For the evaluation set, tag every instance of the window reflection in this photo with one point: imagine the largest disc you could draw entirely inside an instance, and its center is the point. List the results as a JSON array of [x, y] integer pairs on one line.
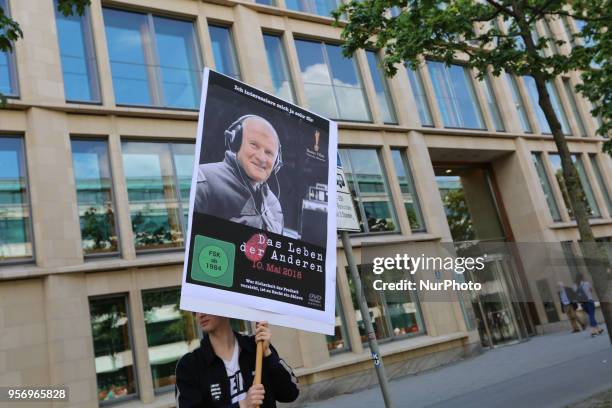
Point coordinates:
[[409, 196], [331, 81], [393, 313], [588, 196], [279, 71], [171, 333], [548, 194], [320, 7], [224, 53], [492, 104], [455, 95], [554, 100], [369, 190], [8, 75], [158, 176], [518, 103], [90, 164], [78, 57], [154, 60], [383, 95], [418, 91], [114, 359], [601, 183], [15, 227]]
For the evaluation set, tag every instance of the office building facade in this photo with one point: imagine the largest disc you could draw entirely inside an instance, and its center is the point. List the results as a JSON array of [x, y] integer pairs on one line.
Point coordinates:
[[96, 154]]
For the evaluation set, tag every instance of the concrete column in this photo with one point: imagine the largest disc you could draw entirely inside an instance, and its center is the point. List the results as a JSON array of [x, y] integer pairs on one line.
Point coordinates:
[[102, 56], [250, 48], [69, 338], [122, 205], [55, 217], [38, 60]]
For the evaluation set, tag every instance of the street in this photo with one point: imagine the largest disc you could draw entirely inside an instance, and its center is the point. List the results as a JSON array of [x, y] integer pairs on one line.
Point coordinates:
[[547, 371]]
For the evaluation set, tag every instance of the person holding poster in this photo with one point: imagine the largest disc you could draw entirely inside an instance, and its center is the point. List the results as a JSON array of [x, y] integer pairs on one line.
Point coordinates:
[[236, 188], [220, 372]]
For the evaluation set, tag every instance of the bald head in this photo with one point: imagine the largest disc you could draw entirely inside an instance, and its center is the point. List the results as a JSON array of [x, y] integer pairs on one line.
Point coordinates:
[[259, 148]]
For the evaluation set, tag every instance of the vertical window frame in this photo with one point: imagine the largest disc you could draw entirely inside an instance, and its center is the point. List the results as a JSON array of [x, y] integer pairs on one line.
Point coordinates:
[[30, 229], [405, 163], [232, 42], [546, 186], [376, 72], [126, 299], [420, 96], [492, 104], [601, 182], [285, 62], [449, 84], [91, 61], [360, 208], [13, 75], [116, 253]]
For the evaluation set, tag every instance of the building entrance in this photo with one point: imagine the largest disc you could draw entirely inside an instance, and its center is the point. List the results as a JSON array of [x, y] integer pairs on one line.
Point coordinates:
[[475, 220]]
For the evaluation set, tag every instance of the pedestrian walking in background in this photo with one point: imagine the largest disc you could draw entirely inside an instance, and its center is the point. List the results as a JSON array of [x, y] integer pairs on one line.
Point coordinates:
[[569, 306], [584, 295]]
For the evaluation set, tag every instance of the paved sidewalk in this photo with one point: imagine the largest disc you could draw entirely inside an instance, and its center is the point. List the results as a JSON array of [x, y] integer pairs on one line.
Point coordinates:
[[555, 370]]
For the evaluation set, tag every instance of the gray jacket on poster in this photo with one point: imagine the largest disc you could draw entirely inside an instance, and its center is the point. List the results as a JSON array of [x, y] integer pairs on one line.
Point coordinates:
[[224, 191]]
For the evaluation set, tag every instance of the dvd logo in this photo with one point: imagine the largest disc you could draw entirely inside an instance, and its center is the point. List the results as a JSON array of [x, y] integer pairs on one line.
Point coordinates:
[[314, 299]]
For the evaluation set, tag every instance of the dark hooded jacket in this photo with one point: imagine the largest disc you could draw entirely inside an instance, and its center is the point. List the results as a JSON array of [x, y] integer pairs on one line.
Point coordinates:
[[202, 382]]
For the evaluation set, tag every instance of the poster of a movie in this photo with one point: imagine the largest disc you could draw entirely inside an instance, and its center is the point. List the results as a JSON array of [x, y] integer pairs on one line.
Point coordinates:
[[262, 241]]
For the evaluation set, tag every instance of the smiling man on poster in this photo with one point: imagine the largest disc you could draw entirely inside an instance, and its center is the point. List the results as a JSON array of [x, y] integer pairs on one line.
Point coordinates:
[[237, 188], [262, 222]]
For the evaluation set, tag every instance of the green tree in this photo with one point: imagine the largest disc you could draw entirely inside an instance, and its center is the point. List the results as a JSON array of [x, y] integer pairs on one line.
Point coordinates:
[[469, 30], [11, 32]]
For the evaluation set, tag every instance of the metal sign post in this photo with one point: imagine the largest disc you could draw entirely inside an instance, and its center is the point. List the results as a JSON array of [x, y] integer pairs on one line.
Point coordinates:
[[347, 221]]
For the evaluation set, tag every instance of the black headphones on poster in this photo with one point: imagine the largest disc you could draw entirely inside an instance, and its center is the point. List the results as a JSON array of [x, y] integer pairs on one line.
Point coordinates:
[[233, 140]]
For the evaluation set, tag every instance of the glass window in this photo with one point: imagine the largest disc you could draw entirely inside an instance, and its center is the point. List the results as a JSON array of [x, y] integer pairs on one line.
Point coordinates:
[[393, 313], [383, 95], [78, 57], [92, 175], [339, 341], [588, 196], [368, 185], [8, 73], [554, 99], [545, 183], [492, 104], [154, 60], [331, 82], [409, 195], [15, 223], [571, 96], [112, 341], [279, 70], [455, 95], [518, 103], [158, 176], [171, 333], [418, 91], [601, 182], [224, 52], [320, 7], [266, 2]]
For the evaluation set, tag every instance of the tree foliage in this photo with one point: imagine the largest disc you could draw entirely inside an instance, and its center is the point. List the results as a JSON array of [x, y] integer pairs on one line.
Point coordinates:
[[472, 30]]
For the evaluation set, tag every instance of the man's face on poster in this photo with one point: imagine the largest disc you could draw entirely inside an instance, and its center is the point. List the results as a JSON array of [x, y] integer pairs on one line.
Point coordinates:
[[259, 149]]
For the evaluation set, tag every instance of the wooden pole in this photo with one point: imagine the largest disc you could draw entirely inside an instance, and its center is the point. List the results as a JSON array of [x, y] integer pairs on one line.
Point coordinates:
[[258, 363]]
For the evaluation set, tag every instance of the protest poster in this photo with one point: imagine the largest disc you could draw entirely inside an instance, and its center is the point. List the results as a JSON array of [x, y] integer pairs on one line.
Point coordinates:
[[262, 210]]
